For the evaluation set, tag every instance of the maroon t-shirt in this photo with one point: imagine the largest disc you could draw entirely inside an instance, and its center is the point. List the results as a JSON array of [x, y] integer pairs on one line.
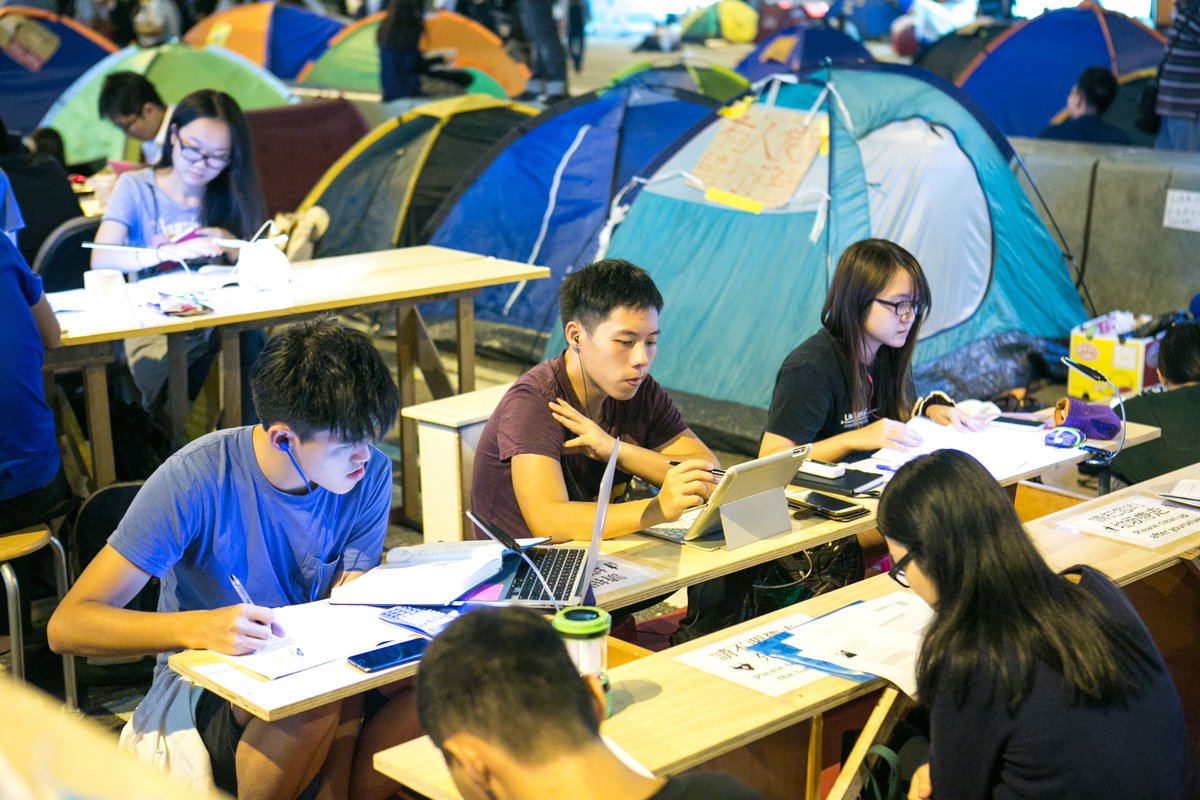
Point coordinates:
[[522, 424]]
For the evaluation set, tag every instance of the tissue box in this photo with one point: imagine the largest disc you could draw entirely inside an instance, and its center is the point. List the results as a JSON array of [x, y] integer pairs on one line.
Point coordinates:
[[1130, 363]]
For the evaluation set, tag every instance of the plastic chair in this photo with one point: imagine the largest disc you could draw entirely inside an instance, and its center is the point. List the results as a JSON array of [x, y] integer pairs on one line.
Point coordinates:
[[62, 259], [17, 544]]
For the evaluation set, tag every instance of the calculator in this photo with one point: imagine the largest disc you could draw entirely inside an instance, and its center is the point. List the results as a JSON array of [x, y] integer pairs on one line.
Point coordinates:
[[427, 622]]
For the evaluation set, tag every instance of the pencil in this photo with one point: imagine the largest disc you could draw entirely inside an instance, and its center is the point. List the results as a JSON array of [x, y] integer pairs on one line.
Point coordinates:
[[720, 473]]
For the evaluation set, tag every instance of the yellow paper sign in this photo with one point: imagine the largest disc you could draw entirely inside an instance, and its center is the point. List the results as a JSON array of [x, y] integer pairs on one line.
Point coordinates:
[[29, 43]]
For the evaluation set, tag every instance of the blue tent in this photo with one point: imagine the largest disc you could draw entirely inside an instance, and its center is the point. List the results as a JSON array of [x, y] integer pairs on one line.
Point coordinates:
[[32, 77], [1022, 78], [799, 49], [895, 153], [544, 197]]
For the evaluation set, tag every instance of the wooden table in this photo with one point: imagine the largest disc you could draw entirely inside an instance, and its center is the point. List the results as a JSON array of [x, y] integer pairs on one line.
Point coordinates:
[[390, 280]]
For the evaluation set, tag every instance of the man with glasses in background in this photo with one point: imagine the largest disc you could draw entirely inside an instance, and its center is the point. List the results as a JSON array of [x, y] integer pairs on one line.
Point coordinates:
[[131, 102]]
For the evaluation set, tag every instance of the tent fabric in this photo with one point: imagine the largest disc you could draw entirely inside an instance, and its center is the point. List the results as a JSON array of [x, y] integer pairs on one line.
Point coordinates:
[[352, 58], [1023, 76], [382, 191], [731, 20], [954, 52], [799, 49], [29, 83], [175, 70], [544, 194], [992, 269], [710, 80], [280, 37]]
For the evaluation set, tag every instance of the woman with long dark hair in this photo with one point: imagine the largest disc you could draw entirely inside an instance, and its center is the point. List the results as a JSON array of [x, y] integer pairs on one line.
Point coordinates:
[[399, 39], [202, 189], [1039, 684]]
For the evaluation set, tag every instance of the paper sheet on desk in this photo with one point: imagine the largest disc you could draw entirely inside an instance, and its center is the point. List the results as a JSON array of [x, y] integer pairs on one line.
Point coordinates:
[[317, 633], [614, 572], [730, 659], [881, 637], [1003, 450], [1138, 520], [1185, 491]]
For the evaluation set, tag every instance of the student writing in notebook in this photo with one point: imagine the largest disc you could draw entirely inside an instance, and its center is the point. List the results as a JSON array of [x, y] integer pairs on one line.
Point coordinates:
[[290, 508], [498, 694], [542, 453]]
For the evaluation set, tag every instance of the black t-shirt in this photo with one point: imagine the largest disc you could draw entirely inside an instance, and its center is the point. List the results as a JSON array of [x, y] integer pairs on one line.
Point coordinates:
[[1052, 749], [811, 401], [705, 786]]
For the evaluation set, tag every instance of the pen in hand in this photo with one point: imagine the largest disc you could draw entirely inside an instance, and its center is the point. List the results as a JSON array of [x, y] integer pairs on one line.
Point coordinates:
[[244, 596], [717, 473]]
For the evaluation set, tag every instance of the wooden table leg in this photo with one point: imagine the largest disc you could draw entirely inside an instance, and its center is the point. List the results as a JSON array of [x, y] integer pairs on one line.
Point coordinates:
[[878, 728], [816, 730], [231, 378], [430, 362], [465, 320], [95, 392], [177, 385], [406, 350]]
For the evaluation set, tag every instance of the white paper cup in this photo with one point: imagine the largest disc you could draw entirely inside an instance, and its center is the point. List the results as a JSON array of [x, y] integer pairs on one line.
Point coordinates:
[[108, 297]]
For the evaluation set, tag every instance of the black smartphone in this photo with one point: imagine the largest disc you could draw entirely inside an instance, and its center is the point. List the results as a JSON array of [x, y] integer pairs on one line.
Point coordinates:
[[391, 656], [1024, 422], [827, 506]]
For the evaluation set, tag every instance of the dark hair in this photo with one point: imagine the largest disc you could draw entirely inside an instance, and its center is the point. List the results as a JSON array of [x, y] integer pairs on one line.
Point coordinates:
[[233, 199], [863, 272], [1000, 609], [502, 674], [320, 376], [125, 93], [48, 141], [403, 25], [1098, 87], [589, 295], [1179, 353]]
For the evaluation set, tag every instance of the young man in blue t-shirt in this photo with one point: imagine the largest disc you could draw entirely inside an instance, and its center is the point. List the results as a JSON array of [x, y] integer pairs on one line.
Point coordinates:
[[291, 508]]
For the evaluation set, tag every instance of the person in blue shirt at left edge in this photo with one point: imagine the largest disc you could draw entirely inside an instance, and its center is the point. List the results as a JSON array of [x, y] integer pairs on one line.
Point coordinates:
[[291, 507]]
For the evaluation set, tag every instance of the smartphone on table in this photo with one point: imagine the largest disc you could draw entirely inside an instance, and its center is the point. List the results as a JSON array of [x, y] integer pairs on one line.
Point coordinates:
[[826, 505], [392, 655]]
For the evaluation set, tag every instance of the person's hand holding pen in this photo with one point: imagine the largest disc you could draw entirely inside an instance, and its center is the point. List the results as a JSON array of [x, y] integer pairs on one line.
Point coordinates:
[[196, 243], [244, 628], [687, 484]]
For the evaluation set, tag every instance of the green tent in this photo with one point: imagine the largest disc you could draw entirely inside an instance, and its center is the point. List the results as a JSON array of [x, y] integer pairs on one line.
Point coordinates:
[[175, 70], [710, 80]]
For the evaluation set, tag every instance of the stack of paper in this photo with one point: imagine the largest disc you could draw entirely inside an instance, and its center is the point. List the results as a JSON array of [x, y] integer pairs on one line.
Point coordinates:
[[424, 575], [1186, 492]]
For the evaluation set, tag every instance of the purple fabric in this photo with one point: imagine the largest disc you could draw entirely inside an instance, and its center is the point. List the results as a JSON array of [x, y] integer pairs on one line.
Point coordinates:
[[1094, 421]]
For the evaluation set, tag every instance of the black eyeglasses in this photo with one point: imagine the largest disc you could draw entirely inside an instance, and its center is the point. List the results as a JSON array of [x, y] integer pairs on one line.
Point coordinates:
[[896, 573], [903, 308], [194, 155]]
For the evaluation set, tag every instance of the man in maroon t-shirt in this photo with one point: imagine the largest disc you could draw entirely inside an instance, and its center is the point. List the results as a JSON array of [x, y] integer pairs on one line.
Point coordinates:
[[542, 453]]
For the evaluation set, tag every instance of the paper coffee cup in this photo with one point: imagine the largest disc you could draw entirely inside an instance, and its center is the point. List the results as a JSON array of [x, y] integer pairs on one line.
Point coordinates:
[[108, 297]]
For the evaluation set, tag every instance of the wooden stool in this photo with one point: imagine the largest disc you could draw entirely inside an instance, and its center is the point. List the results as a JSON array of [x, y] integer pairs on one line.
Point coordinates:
[[13, 546]]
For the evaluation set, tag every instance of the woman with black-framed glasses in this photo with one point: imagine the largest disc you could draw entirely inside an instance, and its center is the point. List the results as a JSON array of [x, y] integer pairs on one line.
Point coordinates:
[[1039, 684], [203, 189]]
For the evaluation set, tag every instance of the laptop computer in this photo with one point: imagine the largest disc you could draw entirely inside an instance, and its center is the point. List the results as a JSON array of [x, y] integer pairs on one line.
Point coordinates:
[[739, 483], [567, 570]]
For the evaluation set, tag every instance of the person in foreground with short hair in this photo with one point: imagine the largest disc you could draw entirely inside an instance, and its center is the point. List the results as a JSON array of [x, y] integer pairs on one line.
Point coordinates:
[[1087, 101], [542, 453], [1041, 685], [291, 507], [500, 697], [131, 102]]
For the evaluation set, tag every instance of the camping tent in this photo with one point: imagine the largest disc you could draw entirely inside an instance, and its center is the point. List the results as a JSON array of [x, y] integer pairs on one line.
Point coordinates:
[[381, 192], [175, 70], [1022, 77], [56, 51], [731, 20], [710, 80], [352, 58], [950, 55], [280, 37], [544, 195], [799, 49], [868, 150]]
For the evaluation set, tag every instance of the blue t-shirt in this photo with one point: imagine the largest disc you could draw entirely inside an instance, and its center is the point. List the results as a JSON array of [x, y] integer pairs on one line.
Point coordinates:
[[28, 451], [209, 512]]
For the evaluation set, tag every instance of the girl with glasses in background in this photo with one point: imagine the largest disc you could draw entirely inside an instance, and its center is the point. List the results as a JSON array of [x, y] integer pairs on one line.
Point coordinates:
[[202, 189], [1039, 684]]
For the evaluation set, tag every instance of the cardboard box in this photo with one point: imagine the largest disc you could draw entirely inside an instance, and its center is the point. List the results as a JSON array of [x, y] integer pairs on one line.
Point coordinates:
[[1131, 364]]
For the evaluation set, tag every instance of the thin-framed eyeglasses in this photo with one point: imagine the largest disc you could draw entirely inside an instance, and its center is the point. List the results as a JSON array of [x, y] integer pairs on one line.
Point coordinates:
[[896, 573], [194, 155], [903, 308]]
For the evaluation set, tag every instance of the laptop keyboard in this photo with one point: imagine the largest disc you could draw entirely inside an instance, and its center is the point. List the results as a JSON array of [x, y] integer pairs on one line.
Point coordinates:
[[559, 566]]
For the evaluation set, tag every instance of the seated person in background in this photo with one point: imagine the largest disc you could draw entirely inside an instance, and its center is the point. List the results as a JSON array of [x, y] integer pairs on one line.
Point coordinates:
[[203, 189], [498, 694], [1087, 101], [542, 453], [291, 507], [1039, 685], [131, 102], [47, 142], [1176, 410]]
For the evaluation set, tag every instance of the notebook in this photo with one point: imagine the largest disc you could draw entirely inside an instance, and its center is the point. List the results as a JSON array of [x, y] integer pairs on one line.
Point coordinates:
[[740, 482], [568, 570]]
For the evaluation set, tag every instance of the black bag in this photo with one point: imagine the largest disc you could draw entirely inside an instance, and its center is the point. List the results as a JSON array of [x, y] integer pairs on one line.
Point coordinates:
[[1146, 118]]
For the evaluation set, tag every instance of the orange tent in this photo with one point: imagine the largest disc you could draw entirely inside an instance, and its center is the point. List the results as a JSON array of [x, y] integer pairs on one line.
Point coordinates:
[[277, 36]]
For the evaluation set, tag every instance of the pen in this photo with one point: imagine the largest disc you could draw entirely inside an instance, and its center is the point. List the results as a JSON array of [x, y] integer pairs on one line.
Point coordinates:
[[192, 234], [720, 473], [244, 596]]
